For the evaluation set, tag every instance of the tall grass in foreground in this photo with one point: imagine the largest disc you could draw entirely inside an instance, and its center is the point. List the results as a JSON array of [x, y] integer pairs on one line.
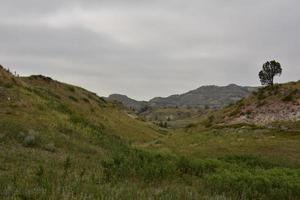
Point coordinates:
[[143, 175], [237, 177], [29, 171]]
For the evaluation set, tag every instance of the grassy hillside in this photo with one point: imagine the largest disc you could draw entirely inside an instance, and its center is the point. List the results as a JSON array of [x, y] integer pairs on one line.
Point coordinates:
[[58, 141], [45, 124], [277, 107], [40, 101], [280, 102]]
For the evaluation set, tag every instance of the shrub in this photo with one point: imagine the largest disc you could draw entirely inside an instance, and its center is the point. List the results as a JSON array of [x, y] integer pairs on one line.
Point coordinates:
[[261, 103], [78, 119], [62, 108], [102, 99], [72, 89], [249, 161], [290, 96], [163, 124], [85, 100], [256, 184], [261, 94], [50, 147], [208, 122], [73, 98], [45, 78], [248, 112], [8, 85], [191, 125], [274, 90], [229, 105], [137, 164], [29, 141], [196, 168]]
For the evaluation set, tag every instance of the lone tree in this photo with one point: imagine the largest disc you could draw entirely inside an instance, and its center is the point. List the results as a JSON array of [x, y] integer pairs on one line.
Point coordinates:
[[270, 69]]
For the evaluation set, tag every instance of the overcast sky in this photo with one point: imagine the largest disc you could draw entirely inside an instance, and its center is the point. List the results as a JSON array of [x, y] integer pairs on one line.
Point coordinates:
[[147, 48]]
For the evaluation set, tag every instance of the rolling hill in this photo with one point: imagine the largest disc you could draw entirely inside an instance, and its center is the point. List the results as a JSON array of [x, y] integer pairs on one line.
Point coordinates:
[[59, 141], [177, 110], [273, 104], [138, 106], [205, 96], [211, 96], [24, 98]]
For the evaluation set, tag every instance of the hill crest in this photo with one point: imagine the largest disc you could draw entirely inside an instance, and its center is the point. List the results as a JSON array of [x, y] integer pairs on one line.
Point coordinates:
[[205, 96]]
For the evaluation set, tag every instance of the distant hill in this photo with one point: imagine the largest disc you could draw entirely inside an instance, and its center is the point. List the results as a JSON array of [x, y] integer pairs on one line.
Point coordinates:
[[205, 96], [211, 96], [274, 106], [128, 102]]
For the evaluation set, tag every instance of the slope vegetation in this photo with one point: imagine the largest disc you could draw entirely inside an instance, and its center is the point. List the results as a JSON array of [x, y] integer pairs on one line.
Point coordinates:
[[58, 141], [279, 103]]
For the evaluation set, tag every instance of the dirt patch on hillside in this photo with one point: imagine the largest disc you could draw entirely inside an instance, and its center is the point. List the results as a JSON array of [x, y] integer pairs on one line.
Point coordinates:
[[277, 111]]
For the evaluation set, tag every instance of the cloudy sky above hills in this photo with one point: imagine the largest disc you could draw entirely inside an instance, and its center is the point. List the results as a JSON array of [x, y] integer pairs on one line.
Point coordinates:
[[147, 48]]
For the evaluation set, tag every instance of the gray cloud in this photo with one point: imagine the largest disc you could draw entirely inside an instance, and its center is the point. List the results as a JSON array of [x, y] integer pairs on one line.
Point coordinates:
[[149, 48]]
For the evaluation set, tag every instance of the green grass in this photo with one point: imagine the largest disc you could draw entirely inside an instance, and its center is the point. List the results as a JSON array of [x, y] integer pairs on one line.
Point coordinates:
[[223, 141], [55, 147]]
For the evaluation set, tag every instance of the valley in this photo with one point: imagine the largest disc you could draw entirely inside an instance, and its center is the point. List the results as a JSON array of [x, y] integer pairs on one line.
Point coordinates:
[[59, 141]]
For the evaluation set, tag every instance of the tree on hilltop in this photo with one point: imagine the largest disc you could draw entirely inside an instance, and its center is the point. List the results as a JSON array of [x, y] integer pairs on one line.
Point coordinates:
[[269, 70]]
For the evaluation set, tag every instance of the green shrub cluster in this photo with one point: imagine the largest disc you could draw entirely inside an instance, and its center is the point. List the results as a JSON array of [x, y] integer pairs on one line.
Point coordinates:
[[276, 183], [138, 165], [290, 96], [73, 98], [208, 122], [237, 177]]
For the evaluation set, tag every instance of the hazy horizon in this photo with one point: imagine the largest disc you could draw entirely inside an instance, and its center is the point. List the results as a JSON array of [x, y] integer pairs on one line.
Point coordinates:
[[144, 49]]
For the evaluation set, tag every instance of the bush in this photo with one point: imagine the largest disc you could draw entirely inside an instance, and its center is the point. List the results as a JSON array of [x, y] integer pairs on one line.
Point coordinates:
[[73, 98], [85, 100], [29, 141], [261, 103], [72, 89], [50, 147], [196, 168], [191, 125], [208, 122], [248, 112], [151, 168], [249, 161], [274, 90], [290, 96], [256, 184], [163, 124], [139, 165], [45, 78], [261, 94]]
